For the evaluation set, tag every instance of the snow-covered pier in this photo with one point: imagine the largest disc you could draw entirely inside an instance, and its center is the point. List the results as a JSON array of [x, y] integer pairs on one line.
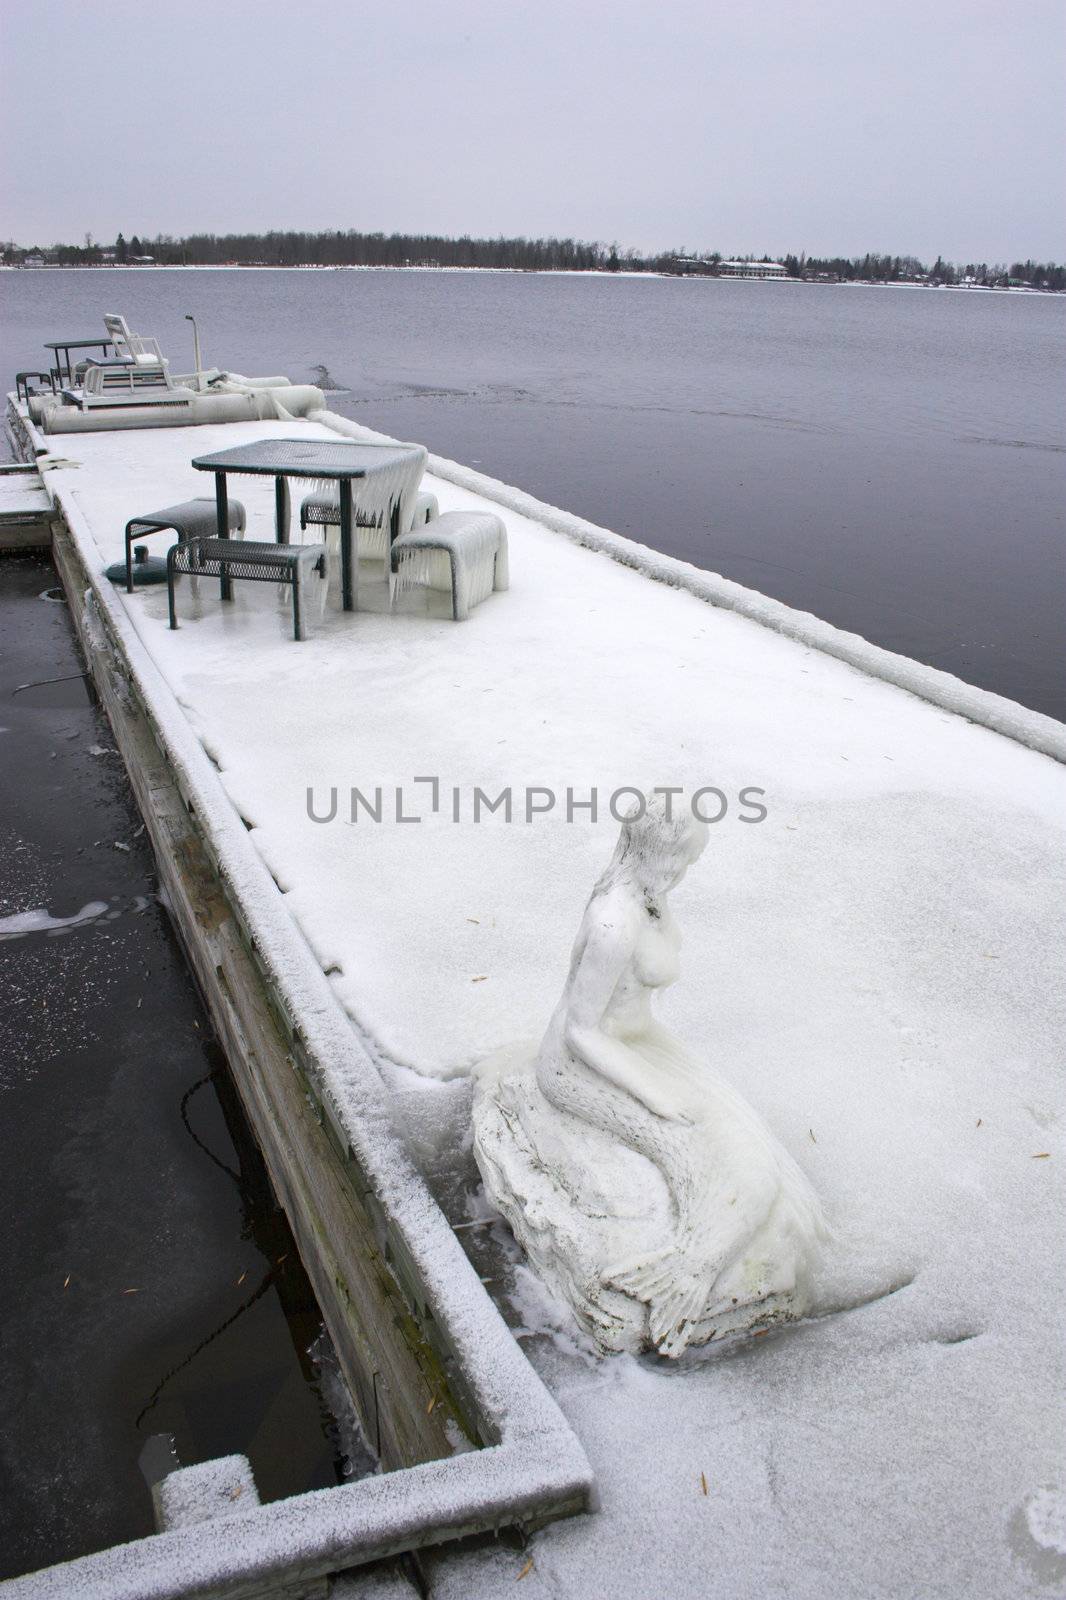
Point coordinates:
[[25, 509], [875, 962]]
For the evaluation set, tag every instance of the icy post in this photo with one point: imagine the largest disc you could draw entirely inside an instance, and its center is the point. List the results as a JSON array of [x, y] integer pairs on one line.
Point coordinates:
[[643, 1188]]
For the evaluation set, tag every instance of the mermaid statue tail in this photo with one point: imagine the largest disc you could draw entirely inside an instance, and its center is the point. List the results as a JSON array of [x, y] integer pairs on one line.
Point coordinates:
[[679, 1281], [712, 1281], [743, 1219], [676, 1296]]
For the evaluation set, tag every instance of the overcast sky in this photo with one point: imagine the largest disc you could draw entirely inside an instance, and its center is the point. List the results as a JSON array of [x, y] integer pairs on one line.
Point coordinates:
[[752, 125]]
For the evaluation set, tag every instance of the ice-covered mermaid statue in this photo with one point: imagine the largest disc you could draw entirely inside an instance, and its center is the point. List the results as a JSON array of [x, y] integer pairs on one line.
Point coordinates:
[[641, 1185]]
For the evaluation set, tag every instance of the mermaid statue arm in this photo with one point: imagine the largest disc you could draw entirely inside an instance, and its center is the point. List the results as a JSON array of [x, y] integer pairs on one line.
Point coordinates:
[[605, 955]]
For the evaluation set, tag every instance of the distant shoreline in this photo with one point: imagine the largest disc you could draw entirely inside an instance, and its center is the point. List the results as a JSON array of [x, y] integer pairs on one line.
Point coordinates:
[[546, 272]]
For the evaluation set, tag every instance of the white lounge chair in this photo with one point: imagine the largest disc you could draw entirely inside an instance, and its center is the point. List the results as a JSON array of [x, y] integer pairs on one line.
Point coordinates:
[[137, 375], [132, 348]]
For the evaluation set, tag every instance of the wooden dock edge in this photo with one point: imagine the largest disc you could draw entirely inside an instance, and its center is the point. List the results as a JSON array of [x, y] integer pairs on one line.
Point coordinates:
[[324, 1194], [428, 1359], [23, 528]]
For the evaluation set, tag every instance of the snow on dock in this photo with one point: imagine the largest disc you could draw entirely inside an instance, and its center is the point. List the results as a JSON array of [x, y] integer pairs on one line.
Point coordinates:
[[24, 508], [876, 964]]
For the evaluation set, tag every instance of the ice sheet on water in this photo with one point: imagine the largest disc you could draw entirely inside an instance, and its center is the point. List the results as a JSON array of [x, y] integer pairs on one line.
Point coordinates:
[[22, 923], [1045, 1516]]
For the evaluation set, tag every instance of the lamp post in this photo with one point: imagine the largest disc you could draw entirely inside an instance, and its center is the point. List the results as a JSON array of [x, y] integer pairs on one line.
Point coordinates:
[[196, 350]]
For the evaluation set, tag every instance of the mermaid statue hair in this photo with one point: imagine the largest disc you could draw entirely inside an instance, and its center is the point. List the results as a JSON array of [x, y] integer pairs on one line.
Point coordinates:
[[659, 838]]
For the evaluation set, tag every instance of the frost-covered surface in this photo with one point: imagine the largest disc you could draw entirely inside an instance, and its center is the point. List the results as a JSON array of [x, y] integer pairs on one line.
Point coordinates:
[[876, 966], [207, 1492], [21, 495]]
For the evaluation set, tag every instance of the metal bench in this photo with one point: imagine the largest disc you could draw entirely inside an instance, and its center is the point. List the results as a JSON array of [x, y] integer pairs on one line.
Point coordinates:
[[249, 560], [24, 379], [323, 509], [475, 545], [192, 519]]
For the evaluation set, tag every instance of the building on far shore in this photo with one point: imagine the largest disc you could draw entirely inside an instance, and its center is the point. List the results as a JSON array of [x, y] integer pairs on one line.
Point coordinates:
[[688, 266], [752, 269]]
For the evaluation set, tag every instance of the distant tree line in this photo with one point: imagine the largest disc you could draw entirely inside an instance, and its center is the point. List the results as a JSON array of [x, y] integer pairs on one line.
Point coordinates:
[[351, 249], [908, 269], [329, 249]]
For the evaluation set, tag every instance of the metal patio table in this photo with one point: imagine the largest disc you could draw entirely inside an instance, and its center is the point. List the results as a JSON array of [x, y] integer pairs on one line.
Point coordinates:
[[375, 478], [61, 349]]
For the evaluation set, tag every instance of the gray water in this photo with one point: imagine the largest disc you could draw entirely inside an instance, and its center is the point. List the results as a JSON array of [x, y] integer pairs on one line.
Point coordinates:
[[892, 459], [151, 1285]]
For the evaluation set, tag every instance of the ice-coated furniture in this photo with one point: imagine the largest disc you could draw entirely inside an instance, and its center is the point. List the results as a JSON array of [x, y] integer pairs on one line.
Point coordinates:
[[323, 509], [475, 544], [189, 520], [377, 482], [248, 560]]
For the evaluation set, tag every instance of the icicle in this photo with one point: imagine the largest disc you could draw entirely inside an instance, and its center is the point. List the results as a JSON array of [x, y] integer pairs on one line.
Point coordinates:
[[463, 551], [425, 569], [392, 478], [480, 571]]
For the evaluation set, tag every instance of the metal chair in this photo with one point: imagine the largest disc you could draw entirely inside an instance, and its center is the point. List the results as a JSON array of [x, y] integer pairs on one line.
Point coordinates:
[[191, 519], [22, 383], [248, 560], [323, 510]]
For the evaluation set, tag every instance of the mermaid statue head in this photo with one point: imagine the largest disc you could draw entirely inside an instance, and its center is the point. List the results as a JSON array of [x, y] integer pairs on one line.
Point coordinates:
[[659, 841]]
